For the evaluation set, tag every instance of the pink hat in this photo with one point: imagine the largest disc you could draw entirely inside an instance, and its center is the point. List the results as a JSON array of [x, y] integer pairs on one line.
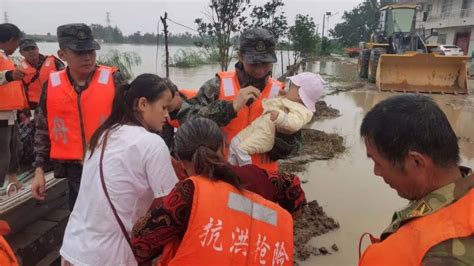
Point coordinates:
[[312, 88]]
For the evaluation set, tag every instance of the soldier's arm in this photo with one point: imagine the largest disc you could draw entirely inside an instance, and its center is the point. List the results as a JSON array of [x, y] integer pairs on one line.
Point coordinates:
[[167, 134], [207, 104], [453, 252], [42, 143], [285, 145]]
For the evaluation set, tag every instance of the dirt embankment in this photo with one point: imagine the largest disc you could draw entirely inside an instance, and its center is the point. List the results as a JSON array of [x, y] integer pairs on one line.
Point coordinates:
[[312, 222], [316, 145], [324, 111]]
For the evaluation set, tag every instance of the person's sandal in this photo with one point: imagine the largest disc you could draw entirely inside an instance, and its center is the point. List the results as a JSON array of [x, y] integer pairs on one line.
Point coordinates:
[[16, 186]]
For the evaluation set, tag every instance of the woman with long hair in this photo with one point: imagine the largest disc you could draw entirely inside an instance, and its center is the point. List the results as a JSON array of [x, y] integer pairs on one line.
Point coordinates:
[[126, 167], [211, 218]]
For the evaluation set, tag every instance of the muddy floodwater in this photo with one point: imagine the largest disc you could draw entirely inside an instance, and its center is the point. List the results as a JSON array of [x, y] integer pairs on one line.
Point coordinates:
[[346, 187]]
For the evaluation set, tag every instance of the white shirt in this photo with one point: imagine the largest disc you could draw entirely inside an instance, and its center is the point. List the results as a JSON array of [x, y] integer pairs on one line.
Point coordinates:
[[137, 169]]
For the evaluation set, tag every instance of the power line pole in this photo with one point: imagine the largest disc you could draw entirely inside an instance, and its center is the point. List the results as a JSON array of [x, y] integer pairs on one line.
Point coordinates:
[[108, 27], [324, 22], [165, 29], [107, 19], [5, 17]]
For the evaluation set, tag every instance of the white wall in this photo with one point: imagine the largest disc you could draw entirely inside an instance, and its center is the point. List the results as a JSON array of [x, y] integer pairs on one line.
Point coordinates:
[[451, 24]]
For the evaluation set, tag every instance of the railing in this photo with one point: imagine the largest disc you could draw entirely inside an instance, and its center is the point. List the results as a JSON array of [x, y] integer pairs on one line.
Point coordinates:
[[463, 13]]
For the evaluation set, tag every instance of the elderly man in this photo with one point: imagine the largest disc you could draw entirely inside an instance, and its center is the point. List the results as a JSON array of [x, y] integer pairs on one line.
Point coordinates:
[[416, 152], [234, 99]]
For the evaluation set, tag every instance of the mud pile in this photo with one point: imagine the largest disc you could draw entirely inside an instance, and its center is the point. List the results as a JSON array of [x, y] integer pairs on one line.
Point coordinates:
[[312, 222], [316, 145], [324, 111]]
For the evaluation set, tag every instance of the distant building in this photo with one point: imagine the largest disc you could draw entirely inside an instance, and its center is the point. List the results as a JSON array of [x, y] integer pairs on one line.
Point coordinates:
[[454, 20]]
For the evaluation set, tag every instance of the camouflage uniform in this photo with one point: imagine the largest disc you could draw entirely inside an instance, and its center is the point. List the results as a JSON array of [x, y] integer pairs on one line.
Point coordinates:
[[207, 104], [458, 251], [256, 46]]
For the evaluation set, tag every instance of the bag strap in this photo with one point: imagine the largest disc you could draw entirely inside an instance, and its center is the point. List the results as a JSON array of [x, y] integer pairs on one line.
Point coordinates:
[[102, 180]]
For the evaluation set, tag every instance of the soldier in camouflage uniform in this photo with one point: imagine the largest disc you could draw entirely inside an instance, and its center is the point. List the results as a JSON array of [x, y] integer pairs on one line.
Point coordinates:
[[77, 41], [416, 152], [253, 76]]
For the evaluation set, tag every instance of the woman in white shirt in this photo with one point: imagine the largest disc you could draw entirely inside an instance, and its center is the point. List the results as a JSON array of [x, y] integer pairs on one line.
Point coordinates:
[[126, 167]]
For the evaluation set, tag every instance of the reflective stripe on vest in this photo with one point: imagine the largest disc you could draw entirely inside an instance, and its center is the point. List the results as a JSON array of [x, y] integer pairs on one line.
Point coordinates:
[[34, 86], [229, 89], [241, 228], [259, 212], [12, 94], [64, 120], [413, 240]]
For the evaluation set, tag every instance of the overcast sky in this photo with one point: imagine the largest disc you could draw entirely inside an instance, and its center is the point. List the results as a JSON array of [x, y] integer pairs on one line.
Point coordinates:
[[43, 16]]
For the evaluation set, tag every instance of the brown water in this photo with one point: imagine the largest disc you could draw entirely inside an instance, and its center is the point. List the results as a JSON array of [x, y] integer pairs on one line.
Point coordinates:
[[346, 186]]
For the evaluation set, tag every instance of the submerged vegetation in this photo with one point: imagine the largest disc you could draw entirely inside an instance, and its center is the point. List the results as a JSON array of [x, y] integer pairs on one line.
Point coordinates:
[[122, 60]]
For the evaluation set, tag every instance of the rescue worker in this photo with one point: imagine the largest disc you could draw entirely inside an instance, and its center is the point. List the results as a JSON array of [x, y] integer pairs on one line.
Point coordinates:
[[73, 104], [7, 256], [37, 68], [180, 98], [241, 227], [416, 152], [12, 98], [234, 99]]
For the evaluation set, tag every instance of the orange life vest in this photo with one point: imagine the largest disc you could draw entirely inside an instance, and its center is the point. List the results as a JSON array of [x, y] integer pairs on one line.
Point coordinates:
[[232, 227], [73, 117], [35, 79], [7, 257], [189, 94], [229, 89], [12, 94], [413, 240]]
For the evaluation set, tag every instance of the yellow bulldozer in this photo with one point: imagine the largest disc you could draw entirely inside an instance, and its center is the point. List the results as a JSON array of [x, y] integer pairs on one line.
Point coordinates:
[[398, 58]]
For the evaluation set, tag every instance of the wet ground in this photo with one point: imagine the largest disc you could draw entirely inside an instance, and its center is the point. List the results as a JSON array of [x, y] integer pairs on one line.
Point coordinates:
[[312, 222], [345, 185]]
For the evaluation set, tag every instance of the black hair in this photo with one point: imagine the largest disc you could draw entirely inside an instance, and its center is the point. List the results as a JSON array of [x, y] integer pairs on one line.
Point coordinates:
[[9, 31], [199, 141], [125, 101], [411, 122]]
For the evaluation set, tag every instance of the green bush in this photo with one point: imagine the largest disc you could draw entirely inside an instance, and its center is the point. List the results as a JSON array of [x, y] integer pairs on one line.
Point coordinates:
[[191, 58], [122, 60]]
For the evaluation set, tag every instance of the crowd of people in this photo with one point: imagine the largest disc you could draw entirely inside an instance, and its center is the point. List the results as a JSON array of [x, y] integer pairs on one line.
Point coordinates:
[[158, 174]]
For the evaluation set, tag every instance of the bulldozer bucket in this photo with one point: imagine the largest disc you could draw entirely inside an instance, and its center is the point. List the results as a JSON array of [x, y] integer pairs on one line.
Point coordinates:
[[422, 72]]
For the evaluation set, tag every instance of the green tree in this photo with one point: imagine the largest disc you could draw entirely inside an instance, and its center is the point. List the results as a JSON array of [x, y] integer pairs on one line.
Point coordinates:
[[303, 37], [225, 19], [122, 60], [359, 23], [270, 17]]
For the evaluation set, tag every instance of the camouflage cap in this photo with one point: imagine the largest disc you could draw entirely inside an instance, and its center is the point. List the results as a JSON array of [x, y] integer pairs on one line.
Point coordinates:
[[27, 43], [257, 46], [77, 37]]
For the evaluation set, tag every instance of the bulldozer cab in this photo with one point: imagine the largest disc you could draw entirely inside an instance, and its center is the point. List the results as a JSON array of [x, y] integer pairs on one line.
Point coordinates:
[[397, 19], [400, 59]]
